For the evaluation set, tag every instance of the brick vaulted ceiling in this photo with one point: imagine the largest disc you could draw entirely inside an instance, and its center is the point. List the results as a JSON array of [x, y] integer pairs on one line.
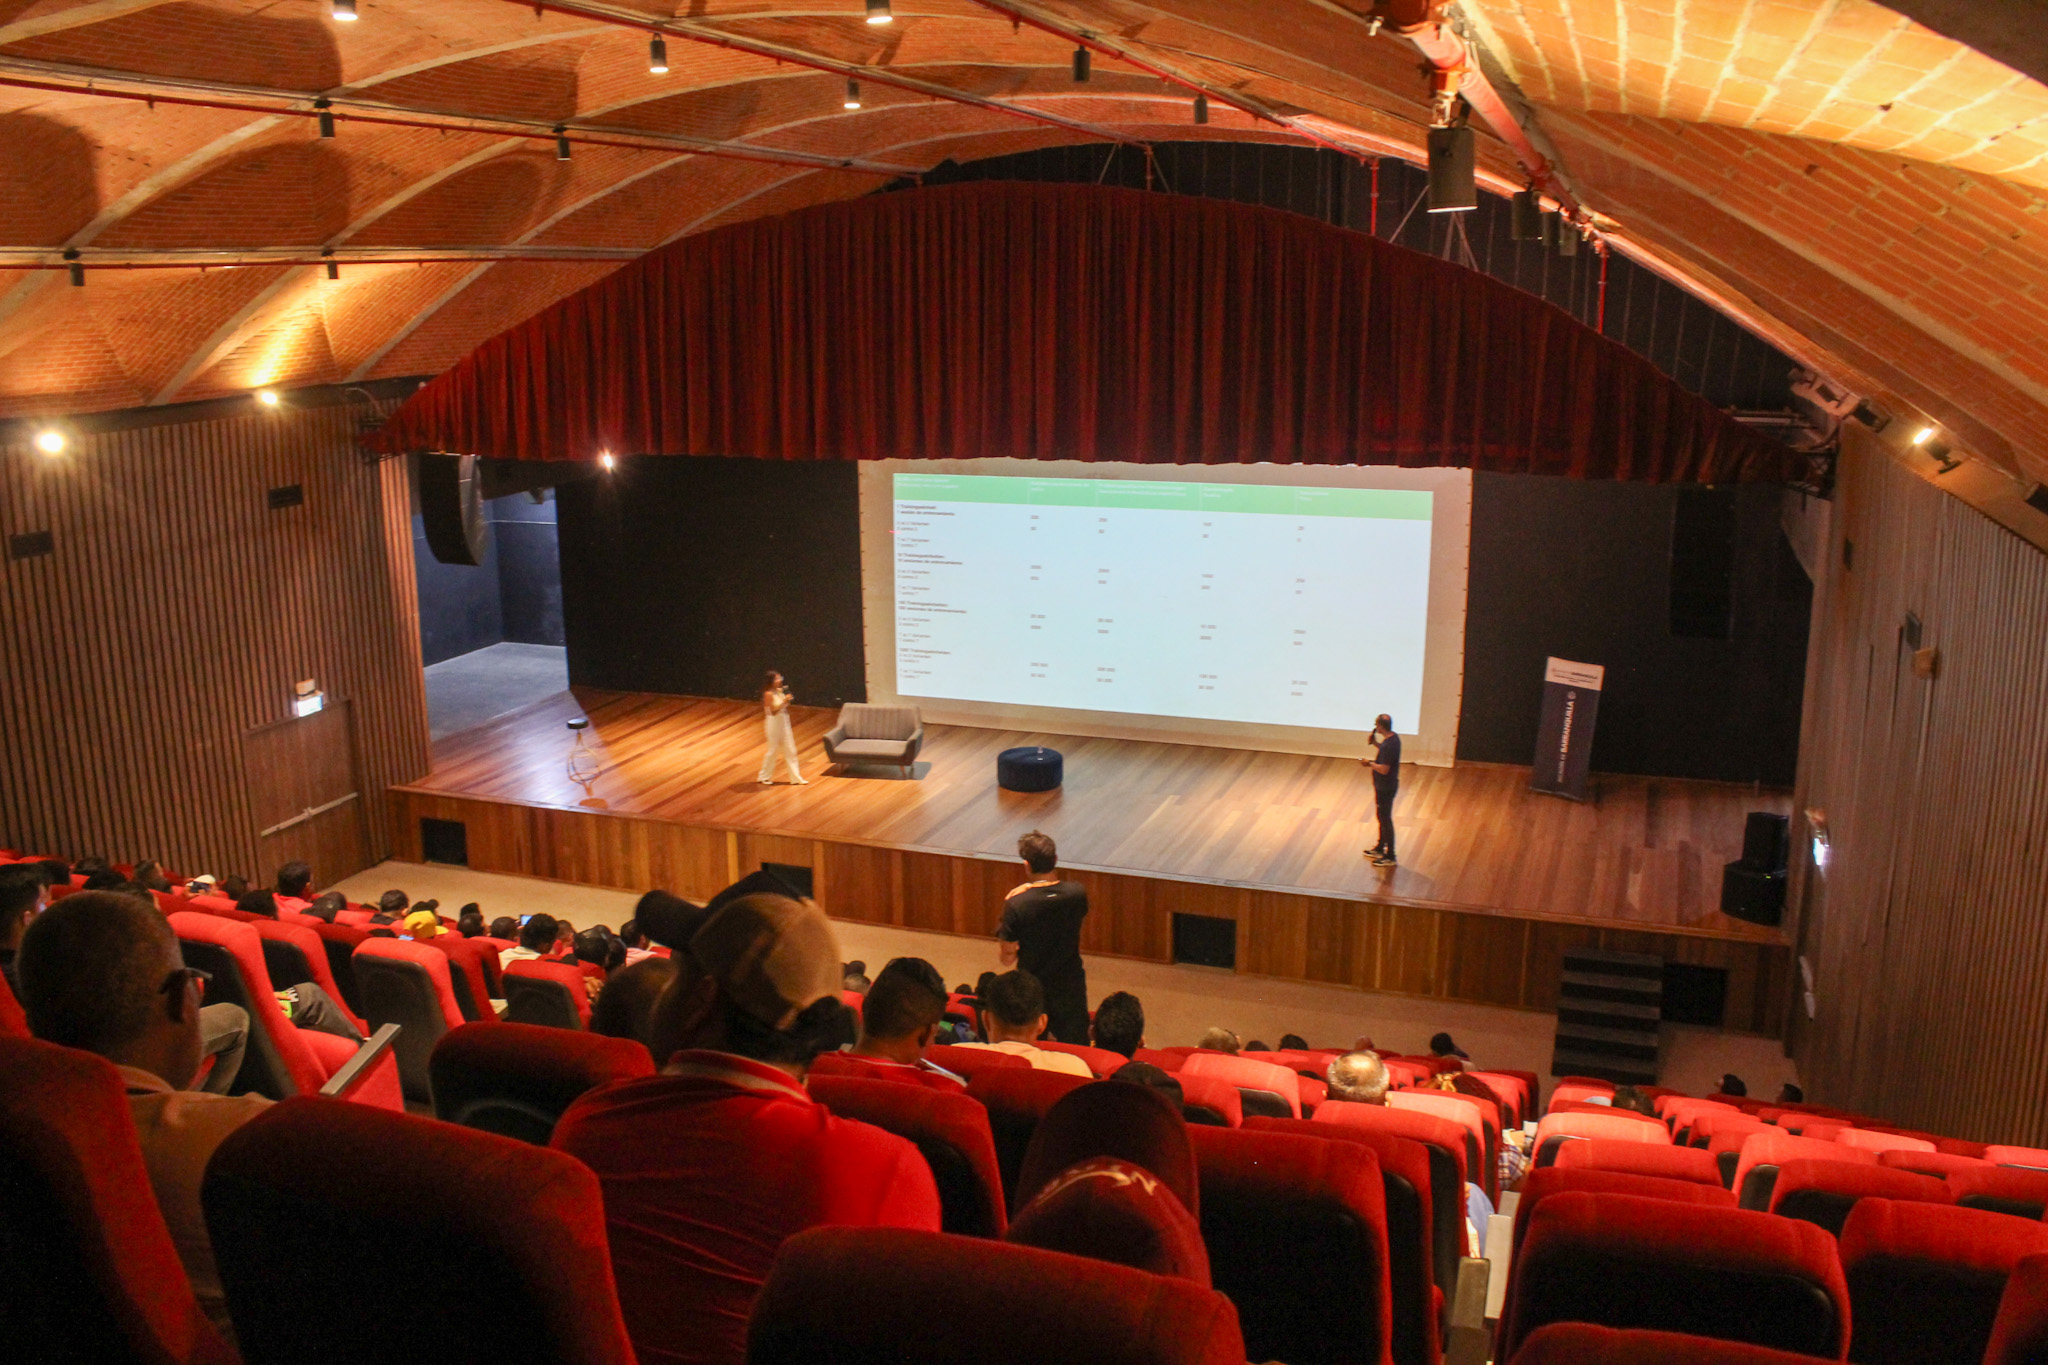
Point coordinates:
[[1863, 191]]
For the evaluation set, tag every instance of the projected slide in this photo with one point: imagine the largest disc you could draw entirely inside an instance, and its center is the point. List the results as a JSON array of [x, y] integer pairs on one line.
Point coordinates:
[[1259, 603]]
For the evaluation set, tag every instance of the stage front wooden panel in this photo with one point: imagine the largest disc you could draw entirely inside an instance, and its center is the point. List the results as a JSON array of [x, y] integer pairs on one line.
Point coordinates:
[[1153, 830]]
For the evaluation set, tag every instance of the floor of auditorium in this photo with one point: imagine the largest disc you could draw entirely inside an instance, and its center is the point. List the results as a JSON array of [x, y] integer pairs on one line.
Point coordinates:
[[1180, 1001]]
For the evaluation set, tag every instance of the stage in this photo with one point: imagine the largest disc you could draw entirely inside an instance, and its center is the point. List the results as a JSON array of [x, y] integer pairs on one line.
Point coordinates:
[[1495, 882]]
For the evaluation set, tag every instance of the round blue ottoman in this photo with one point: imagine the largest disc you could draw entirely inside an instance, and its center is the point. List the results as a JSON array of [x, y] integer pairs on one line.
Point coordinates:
[[1029, 770]]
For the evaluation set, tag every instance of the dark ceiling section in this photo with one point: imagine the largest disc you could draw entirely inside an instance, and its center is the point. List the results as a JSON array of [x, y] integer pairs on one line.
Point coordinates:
[[1702, 349], [2013, 31]]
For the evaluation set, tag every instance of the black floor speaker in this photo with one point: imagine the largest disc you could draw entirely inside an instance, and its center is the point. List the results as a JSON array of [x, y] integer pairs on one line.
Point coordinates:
[[1754, 894]]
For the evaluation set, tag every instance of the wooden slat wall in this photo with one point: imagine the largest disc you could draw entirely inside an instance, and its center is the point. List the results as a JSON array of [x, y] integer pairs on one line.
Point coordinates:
[[1445, 954], [174, 617], [1928, 935]]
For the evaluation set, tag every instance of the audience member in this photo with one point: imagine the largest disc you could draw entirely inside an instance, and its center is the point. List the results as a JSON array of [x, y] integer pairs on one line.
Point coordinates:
[[1789, 1093], [234, 886], [1447, 1055], [1013, 1013], [596, 946], [150, 873], [505, 927], [23, 895], [1256, 1046], [536, 940], [1120, 1023], [1635, 1101], [638, 949], [625, 1007], [1219, 1040], [1731, 1084], [294, 886], [103, 973], [261, 903], [421, 925], [103, 879], [470, 909], [470, 924], [666, 919], [326, 906], [1360, 1077], [91, 865], [854, 977], [898, 1021], [565, 940], [391, 907], [1293, 1042], [709, 1166], [1041, 933]]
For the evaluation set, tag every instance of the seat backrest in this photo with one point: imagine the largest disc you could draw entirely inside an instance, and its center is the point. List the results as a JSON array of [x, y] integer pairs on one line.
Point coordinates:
[[516, 1079], [865, 720], [2019, 1336], [278, 1063], [1445, 1143], [88, 1271], [969, 1062], [1622, 1260], [1205, 1099], [1133, 1123], [1507, 1092], [1016, 1099], [1114, 1211], [951, 1130], [1710, 1124], [13, 1020], [1578, 1088], [1296, 1226], [469, 979], [1404, 1179], [515, 1234], [2017, 1190], [407, 984], [1823, 1192], [1925, 1279], [1251, 1077], [1540, 1185], [1100, 1060], [550, 994], [294, 954], [1668, 1160], [865, 1296], [1583, 1343], [1557, 1129], [1761, 1154], [1938, 1164], [1872, 1141], [340, 941], [2000, 1155], [1444, 1105]]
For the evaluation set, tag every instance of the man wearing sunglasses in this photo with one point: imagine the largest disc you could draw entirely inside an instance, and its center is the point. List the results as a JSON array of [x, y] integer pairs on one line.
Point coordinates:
[[101, 972]]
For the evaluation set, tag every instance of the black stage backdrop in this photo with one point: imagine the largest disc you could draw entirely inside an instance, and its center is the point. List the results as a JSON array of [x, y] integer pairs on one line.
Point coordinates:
[[692, 575]]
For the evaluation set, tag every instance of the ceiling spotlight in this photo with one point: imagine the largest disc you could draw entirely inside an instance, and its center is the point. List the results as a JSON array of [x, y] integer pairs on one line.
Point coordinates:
[[1923, 436], [326, 116], [561, 142], [267, 397], [345, 11], [50, 441], [878, 12], [1082, 60], [657, 56], [853, 94], [606, 460], [1201, 108]]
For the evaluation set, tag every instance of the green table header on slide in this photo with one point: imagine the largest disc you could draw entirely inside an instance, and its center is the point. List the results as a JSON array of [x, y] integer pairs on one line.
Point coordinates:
[[1384, 504]]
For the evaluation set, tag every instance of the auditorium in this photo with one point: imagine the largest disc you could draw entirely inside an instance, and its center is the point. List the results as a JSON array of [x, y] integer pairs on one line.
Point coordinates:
[[1008, 682]]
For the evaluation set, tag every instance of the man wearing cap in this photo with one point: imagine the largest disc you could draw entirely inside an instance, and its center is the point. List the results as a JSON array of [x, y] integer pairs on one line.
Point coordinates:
[[710, 1165]]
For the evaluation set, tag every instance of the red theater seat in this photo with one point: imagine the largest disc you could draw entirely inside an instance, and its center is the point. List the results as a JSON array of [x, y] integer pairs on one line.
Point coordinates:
[[313, 1204], [1100, 1060], [969, 1062], [1556, 1130], [1297, 1234], [1016, 1099], [340, 940], [88, 1272], [1708, 1124], [2017, 1190], [1762, 1154], [1264, 1087], [1507, 1093], [1538, 1186], [1626, 1261], [1872, 1141], [1926, 1279], [515, 1079], [2036, 1157], [1482, 1146], [1823, 1192], [1209, 1100], [1579, 1088], [1404, 1179], [1112, 1210], [1937, 1164], [13, 1021], [471, 980], [1132, 1123], [2019, 1335], [1445, 1143], [281, 1060], [407, 984], [951, 1130], [1666, 1160], [550, 994], [1161, 1058], [887, 1296], [1582, 1343], [294, 954]]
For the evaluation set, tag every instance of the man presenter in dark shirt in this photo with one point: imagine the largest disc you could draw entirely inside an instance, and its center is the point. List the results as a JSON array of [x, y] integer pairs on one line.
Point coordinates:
[[1041, 932], [1386, 780]]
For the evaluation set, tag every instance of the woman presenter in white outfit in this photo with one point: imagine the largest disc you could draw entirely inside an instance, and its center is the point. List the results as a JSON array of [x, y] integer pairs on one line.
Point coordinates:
[[781, 741]]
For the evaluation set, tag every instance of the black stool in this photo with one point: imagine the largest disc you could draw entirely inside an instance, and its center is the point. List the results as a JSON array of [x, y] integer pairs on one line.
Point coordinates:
[[1032, 769]]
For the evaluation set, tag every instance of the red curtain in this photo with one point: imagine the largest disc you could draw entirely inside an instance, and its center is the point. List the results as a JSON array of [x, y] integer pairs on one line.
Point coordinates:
[[1072, 322]]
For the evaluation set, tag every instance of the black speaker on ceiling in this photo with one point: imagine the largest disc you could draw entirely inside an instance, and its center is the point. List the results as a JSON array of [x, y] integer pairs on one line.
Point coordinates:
[[1525, 224], [1453, 171], [452, 508]]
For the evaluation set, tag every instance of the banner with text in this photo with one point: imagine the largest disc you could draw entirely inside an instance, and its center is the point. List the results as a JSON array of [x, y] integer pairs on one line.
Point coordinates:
[[1564, 733]]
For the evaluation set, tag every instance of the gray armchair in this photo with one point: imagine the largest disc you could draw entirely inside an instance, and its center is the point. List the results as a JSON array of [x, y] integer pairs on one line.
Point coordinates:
[[875, 734]]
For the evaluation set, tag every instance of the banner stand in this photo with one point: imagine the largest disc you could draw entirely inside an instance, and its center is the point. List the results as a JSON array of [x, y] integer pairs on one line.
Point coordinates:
[[1564, 731]]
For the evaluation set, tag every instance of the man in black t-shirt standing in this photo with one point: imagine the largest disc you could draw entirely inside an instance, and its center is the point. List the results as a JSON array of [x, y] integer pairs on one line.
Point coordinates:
[[1386, 780], [1041, 932]]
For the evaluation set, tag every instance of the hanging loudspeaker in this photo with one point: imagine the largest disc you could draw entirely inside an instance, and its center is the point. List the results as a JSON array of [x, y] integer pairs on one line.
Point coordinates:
[[1567, 238], [452, 509], [1453, 186], [1526, 223]]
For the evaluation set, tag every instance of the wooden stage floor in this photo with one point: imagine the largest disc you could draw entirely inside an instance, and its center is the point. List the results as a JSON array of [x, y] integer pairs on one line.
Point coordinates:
[[1646, 854]]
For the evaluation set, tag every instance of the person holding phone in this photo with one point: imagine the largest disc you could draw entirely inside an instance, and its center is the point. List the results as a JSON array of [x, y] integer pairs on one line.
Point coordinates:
[[781, 739], [1386, 781]]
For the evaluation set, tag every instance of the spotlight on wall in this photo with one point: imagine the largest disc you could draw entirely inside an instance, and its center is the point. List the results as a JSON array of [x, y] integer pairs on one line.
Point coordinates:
[[657, 56], [268, 397], [1201, 108], [561, 142], [1871, 415], [326, 116], [606, 460], [1082, 61], [345, 11], [1453, 172], [1923, 436], [1525, 222], [878, 12], [50, 441], [852, 95]]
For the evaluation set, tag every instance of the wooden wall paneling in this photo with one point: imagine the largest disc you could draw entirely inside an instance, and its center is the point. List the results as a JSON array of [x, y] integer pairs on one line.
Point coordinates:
[[927, 898], [861, 883]]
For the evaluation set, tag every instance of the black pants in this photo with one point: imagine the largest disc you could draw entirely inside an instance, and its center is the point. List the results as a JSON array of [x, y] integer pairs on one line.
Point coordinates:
[[1066, 1013], [1383, 802]]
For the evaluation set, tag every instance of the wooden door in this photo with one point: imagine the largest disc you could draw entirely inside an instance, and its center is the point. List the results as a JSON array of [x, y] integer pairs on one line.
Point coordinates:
[[304, 794]]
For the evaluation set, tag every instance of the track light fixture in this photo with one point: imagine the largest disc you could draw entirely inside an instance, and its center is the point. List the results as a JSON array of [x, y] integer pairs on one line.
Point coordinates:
[[852, 94], [345, 11], [878, 12], [1082, 61], [77, 270], [1453, 170], [1201, 108], [326, 108], [561, 142], [50, 441], [657, 56]]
